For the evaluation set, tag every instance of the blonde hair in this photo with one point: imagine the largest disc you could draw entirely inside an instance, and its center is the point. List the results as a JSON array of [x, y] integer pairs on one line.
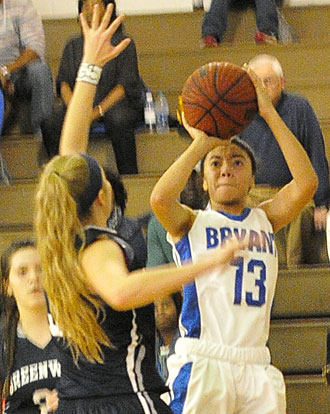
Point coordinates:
[[75, 309], [267, 59]]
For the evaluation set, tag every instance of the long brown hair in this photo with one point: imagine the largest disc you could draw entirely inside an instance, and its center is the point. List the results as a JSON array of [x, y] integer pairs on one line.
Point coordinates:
[[9, 312], [58, 225]]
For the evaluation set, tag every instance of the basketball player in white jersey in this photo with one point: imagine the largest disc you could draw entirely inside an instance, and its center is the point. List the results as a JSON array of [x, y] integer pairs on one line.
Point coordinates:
[[222, 364]]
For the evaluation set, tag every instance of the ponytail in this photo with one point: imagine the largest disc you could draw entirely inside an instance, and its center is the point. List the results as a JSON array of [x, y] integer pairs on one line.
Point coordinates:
[[73, 307]]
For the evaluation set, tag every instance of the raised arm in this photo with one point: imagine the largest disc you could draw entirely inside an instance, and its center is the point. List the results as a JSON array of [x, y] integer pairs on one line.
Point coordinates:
[[98, 50], [174, 216], [291, 199]]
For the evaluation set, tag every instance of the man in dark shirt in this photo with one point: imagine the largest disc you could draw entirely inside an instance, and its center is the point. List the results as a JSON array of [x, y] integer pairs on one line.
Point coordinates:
[[297, 242]]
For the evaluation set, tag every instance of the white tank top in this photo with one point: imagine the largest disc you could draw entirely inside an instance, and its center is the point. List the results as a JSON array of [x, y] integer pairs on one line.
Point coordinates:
[[231, 305]]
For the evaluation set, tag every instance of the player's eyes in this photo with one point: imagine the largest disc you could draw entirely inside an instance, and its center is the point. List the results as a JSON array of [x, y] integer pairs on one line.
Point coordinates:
[[238, 163]]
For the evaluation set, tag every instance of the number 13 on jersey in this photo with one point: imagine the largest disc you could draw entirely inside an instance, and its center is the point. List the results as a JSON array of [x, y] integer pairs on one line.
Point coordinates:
[[254, 269]]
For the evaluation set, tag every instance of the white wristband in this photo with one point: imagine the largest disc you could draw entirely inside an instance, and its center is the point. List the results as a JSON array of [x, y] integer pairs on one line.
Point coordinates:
[[89, 73]]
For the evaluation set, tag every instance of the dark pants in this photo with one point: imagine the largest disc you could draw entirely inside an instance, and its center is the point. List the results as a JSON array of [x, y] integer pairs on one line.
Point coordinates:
[[215, 20], [119, 122]]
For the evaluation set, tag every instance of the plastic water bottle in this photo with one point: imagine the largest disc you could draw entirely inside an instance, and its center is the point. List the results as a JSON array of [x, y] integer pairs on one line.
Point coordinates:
[[149, 112], [162, 113]]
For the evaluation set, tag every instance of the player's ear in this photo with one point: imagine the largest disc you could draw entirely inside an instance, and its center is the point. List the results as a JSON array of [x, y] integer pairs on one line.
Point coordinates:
[[252, 183], [101, 197]]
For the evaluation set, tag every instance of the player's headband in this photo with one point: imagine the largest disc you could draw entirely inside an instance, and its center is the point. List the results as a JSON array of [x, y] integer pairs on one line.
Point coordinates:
[[87, 198]]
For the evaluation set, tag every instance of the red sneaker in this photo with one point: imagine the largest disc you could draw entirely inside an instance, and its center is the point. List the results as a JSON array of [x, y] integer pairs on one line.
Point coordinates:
[[210, 41], [262, 38]]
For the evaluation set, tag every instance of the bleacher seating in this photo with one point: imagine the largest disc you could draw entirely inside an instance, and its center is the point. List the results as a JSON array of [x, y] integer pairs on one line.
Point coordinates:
[[168, 50]]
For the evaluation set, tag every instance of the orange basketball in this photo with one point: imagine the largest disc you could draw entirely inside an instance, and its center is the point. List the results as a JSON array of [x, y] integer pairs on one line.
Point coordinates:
[[220, 99]]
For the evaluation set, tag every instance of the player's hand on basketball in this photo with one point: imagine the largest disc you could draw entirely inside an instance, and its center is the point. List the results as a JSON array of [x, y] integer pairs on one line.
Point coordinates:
[[197, 134], [98, 49], [265, 105]]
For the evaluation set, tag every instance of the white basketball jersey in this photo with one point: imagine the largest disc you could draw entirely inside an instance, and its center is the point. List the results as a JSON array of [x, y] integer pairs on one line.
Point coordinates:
[[231, 305]]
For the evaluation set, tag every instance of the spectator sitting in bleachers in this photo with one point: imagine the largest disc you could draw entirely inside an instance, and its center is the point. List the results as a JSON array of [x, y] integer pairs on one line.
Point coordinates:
[[303, 240], [167, 312], [118, 102], [23, 70], [215, 21]]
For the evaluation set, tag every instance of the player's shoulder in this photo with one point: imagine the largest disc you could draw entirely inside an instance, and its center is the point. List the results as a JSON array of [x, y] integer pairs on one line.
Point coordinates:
[[107, 240]]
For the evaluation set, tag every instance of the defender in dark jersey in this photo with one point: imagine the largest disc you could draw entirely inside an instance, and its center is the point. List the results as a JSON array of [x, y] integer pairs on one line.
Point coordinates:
[[99, 308], [28, 356]]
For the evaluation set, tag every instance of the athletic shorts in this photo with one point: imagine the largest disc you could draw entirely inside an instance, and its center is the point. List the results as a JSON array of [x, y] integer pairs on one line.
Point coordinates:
[[205, 378], [146, 403]]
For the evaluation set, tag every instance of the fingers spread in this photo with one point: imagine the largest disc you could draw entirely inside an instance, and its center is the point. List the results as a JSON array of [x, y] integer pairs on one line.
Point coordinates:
[[120, 47], [115, 24], [95, 17], [107, 17]]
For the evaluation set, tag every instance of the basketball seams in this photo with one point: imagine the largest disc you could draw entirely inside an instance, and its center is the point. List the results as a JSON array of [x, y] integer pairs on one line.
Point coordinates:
[[213, 111], [197, 85], [236, 82], [208, 111]]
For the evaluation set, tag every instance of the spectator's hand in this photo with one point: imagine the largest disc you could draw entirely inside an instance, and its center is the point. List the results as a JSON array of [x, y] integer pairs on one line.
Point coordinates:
[[98, 49], [320, 218], [7, 86], [95, 114], [265, 105]]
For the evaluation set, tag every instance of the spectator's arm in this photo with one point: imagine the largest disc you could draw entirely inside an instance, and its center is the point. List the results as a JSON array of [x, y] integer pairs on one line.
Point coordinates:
[[27, 56], [114, 96], [31, 31], [66, 93]]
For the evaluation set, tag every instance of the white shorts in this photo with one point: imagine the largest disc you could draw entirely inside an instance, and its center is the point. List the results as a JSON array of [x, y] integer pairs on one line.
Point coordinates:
[[208, 378]]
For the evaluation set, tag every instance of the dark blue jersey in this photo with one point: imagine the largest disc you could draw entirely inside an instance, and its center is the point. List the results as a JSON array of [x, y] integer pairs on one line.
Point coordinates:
[[34, 368], [129, 366]]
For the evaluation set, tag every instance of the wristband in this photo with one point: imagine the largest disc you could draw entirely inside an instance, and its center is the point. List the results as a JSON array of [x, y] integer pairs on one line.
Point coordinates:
[[89, 73], [99, 107]]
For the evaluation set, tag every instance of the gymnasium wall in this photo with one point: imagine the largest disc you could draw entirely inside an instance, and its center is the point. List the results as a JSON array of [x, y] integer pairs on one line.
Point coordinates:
[[57, 9]]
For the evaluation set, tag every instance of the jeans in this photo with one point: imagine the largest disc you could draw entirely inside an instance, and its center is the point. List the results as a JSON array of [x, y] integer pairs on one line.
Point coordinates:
[[215, 20], [35, 80]]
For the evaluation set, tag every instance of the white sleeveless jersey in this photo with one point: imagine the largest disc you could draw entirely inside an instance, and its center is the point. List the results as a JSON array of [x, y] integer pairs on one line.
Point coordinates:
[[230, 306]]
